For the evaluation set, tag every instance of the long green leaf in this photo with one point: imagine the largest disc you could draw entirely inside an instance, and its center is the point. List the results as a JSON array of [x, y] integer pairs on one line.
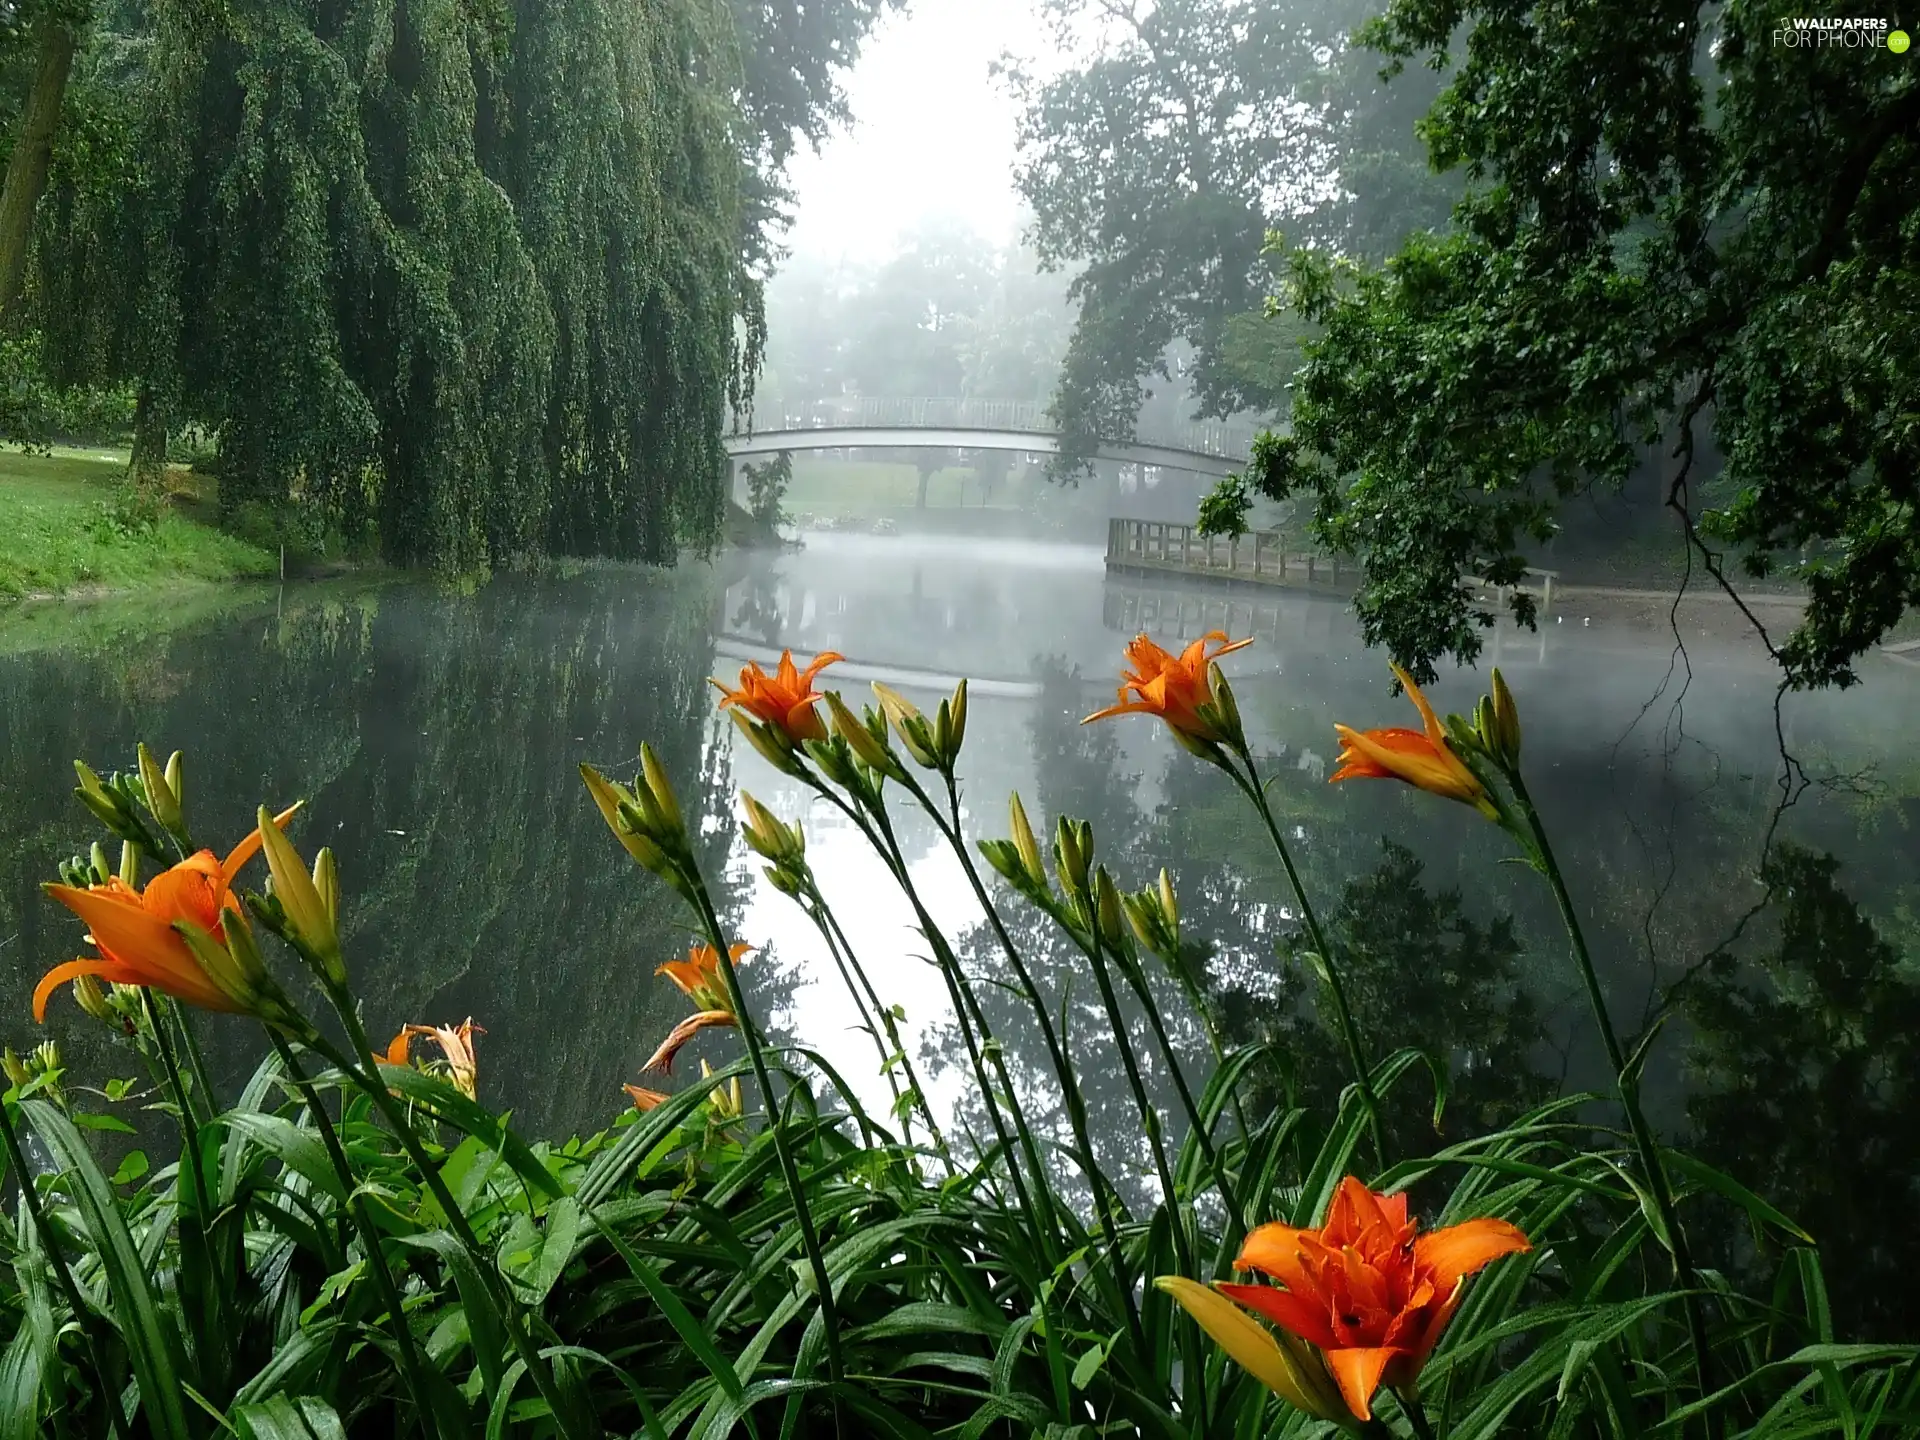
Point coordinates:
[[134, 1308]]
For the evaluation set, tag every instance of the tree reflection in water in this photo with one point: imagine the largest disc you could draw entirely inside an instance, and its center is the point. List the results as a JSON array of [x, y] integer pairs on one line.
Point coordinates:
[[435, 735], [1806, 1060]]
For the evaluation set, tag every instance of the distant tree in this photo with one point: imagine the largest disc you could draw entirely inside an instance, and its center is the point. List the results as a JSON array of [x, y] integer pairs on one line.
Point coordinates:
[[1679, 231], [480, 280], [1158, 162], [50, 30], [1012, 346], [906, 329]]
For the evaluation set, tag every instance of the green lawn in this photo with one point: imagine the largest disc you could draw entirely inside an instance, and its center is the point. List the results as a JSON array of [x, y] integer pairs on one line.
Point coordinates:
[[58, 533]]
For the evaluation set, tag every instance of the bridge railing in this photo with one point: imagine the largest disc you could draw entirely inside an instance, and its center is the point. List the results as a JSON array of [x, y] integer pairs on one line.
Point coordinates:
[[1232, 442], [1264, 556]]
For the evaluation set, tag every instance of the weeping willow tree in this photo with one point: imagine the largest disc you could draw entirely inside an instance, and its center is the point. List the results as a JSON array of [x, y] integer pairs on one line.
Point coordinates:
[[470, 281]]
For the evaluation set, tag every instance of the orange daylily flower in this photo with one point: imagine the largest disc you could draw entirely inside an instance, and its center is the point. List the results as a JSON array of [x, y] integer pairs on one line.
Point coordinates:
[[456, 1044], [662, 1058], [700, 980], [644, 1100], [699, 977], [1174, 687], [1367, 1289], [1426, 760], [138, 935], [784, 699]]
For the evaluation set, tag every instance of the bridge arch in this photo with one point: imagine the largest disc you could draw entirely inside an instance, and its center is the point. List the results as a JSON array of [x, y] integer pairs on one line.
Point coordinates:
[[846, 424]]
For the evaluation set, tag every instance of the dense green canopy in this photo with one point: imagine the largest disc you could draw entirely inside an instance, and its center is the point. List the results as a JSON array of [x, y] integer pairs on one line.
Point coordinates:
[[1681, 232], [477, 281]]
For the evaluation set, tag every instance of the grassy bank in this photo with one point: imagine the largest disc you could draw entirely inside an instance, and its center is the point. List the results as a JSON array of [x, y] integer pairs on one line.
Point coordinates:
[[63, 528]]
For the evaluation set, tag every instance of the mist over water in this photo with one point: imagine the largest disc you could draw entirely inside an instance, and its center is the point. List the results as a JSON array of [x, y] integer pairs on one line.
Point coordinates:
[[436, 735]]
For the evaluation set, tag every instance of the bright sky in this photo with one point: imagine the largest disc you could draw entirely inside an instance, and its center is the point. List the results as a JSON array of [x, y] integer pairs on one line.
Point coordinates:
[[932, 133]]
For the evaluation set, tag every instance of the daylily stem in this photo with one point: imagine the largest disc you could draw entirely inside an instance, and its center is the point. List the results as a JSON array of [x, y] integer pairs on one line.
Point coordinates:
[[369, 1235], [1137, 982], [49, 1243], [828, 925], [879, 834], [1106, 1202], [1349, 1032], [1417, 1418], [366, 1074], [783, 1152], [1646, 1144]]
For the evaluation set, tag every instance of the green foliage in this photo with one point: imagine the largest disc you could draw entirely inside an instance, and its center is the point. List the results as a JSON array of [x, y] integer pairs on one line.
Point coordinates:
[[1679, 234], [35, 412], [482, 280], [767, 485], [948, 316], [1158, 164], [1224, 509]]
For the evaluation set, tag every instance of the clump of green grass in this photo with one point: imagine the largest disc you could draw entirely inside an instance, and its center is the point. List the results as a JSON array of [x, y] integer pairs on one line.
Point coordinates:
[[67, 524]]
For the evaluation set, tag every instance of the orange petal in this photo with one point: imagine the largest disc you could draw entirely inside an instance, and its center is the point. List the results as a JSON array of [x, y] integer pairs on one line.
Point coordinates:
[[73, 970], [1450, 1255], [646, 1099], [803, 722], [1435, 731], [820, 662], [662, 1059], [249, 847], [1290, 1311], [1358, 1374], [1275, 1250], [146, 944], [1128, 707], [400, 1052]]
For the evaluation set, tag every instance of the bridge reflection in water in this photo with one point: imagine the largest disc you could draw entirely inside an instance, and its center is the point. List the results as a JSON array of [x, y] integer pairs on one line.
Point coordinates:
[[918, 613]]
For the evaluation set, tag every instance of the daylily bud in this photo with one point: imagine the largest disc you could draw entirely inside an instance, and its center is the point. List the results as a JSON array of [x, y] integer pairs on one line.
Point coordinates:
[[725, 1104], [161, 798], [109, 806], [1113, 928], [871, 749], [1226, 708], [1071, 856], [1004, 857], [774, 745], [309, 921], [233, 962], [614, 801], [1506, 721], [660, 790], [769, 836], [176, 782], [1485, 727], [910, 725], [130, 865], [957, 736], [1024, 842], [1167, 901], [15, 1067], [326, 881], [92, 999], [97, 862]]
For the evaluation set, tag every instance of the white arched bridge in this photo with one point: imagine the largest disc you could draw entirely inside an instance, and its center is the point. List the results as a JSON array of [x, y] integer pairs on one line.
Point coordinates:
[[1020, 425]]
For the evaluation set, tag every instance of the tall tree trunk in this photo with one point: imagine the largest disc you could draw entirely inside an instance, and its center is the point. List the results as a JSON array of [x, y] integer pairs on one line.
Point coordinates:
[[148, 470], [32, 152]]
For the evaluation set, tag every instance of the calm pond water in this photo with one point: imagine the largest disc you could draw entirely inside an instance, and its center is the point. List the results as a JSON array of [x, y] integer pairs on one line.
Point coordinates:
[[436, 734]]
